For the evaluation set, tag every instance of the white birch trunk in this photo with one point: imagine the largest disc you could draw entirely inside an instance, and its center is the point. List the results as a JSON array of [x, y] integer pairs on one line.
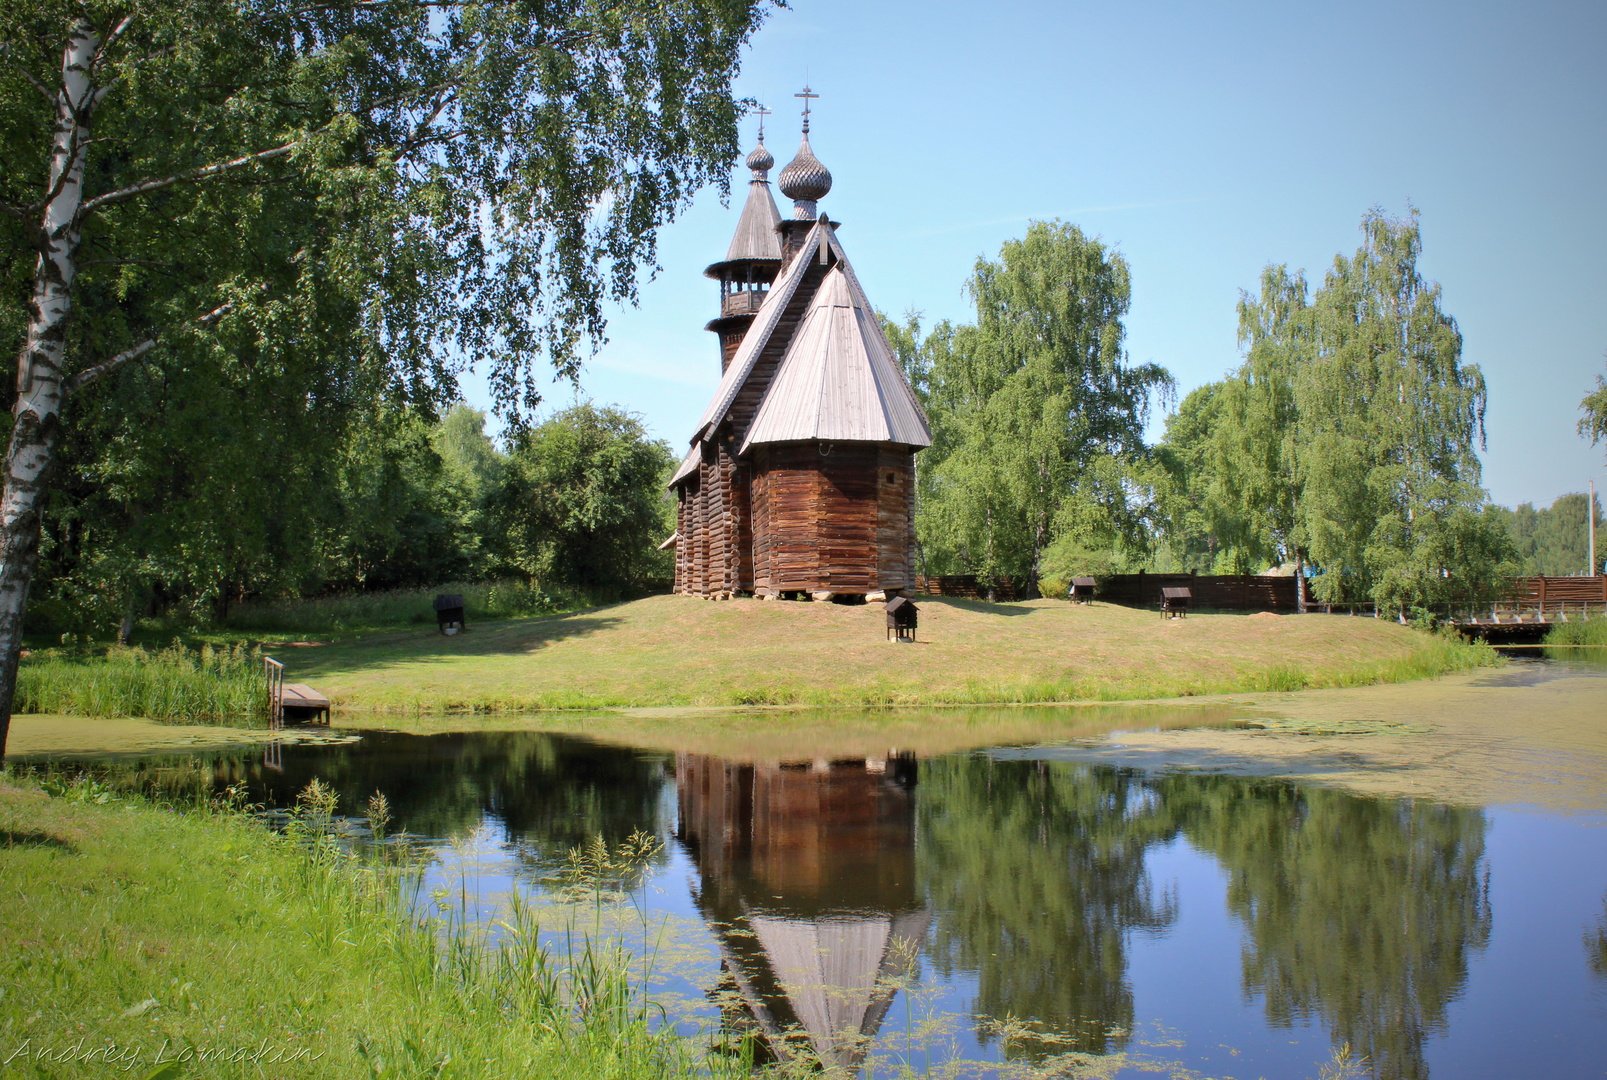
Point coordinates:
[[43, 359]]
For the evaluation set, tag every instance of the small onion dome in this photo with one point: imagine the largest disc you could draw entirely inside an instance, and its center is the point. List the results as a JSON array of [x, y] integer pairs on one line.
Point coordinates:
[[760, 160], [805, 180]]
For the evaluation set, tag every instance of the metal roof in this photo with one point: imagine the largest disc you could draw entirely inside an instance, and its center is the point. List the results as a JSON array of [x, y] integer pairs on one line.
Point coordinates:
[[688, 466], [838, 381]]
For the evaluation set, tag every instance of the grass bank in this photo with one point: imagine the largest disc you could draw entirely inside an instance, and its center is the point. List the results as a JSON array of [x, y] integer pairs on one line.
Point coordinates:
[[139, 936], [679, 651]]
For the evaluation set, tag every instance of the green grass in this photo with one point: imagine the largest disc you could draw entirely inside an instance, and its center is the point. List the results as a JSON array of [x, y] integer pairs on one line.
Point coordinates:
[[394, 608], [176, 685], [137, 932], [1592, 632], [679, 651]]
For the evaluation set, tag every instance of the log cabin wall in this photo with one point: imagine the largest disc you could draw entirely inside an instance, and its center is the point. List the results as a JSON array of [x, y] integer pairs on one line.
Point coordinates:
[[832, 517], [895, 518]]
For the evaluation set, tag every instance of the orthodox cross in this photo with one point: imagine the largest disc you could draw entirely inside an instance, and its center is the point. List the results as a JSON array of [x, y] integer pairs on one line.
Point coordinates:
[[761, 112], [807, 95]]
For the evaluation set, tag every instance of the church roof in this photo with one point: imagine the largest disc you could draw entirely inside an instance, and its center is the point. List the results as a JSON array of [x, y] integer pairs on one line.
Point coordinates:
[[841, 381], [838, 380], [688, 465], [756, 236]]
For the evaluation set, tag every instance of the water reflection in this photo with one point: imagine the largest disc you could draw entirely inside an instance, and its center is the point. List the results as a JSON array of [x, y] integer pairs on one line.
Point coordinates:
[[1009, 887], [1360, 911], [807, 878], [1037, 872]]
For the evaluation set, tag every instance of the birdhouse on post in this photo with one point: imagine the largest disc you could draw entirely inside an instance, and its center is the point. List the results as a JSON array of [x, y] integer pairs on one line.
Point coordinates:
[[901, 618], [1175, 601]]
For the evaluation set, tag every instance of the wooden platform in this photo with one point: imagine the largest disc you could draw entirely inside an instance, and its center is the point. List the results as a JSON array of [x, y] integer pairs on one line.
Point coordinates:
[[302, 702]]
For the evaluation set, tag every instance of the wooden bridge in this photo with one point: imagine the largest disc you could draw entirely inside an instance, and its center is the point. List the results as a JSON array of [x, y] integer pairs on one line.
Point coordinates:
[[1532, 608]]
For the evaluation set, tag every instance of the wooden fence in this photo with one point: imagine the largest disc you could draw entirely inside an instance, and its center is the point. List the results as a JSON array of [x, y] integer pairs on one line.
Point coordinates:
[[1254, 592], [1220, 592]]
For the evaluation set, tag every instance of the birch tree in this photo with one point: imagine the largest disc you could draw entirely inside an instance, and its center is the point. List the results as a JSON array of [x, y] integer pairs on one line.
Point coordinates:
[[1390, 421], [389, 188], [1038, 408]]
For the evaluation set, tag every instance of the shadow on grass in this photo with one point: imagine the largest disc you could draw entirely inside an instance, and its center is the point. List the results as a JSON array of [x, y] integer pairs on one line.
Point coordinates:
[[981, 607], [500, 638], [35, 838]]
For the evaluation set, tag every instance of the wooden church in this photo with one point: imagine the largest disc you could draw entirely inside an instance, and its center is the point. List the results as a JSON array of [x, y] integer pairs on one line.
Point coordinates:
[[800, 480]]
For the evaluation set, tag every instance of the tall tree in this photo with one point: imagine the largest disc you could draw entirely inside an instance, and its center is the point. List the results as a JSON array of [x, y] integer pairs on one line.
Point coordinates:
[[583, 502], [1207, 529], [1259, 440], [1390, 421], [1041, 404], [382, 186]]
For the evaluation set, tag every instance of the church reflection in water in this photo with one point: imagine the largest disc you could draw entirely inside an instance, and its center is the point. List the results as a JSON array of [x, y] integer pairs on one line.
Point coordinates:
[[808, 879]]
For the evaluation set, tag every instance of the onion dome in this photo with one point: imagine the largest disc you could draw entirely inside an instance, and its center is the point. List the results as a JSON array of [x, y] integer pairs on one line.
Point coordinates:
[[760, 160], [805, 180]]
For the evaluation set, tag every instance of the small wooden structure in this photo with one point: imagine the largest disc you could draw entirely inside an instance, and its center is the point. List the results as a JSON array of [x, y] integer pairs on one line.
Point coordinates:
[[292, 701], [449, 613], [1082, 590], [1175, 601], [902, 615]]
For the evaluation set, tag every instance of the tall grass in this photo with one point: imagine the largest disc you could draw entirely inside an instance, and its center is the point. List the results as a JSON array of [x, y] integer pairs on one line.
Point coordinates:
[[1589, 632], [175, 685], [397, 607], [197, 927]]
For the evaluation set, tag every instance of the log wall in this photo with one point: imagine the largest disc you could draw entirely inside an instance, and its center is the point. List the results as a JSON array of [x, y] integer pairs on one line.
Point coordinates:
[[840, 521]]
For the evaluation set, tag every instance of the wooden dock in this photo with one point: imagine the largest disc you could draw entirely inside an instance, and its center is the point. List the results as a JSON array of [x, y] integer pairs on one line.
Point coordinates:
[[292, 701]]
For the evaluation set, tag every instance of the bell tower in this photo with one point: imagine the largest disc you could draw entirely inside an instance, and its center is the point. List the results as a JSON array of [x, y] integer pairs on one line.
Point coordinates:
[[753, 258]]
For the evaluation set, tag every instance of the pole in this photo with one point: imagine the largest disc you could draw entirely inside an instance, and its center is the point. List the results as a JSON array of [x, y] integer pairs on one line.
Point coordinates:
[[1590, 516]]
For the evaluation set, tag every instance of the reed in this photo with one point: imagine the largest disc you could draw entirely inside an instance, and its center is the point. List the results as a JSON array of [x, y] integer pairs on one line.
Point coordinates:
[[176, 685]]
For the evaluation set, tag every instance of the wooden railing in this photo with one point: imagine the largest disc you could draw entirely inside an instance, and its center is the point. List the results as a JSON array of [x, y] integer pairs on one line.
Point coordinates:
[[275, 671]]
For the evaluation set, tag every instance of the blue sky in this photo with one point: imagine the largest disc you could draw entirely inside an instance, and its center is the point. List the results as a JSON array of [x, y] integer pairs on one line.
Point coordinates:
[[1202, 141]]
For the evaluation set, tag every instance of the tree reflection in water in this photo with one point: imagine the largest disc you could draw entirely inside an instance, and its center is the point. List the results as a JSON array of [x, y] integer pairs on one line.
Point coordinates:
[[1359, 911], [1036, 874]]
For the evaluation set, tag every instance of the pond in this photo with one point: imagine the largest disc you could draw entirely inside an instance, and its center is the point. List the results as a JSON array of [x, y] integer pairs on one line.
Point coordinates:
[[1040, 903]]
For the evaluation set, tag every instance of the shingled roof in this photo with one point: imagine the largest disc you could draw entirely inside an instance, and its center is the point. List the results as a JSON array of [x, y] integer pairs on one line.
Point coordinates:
[[838, 380], [756, 237]]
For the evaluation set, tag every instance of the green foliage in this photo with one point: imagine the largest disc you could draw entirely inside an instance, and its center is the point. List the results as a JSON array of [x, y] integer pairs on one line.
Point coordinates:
[[1591, 632], [1347, 439], [391, 608], [1593, 413], [176, 685], [1554, 540], [308, 945], [583, 502], [1037, 412]]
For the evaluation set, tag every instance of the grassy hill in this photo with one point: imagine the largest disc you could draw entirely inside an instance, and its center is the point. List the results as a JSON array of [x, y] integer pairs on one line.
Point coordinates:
[[673, 650]]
